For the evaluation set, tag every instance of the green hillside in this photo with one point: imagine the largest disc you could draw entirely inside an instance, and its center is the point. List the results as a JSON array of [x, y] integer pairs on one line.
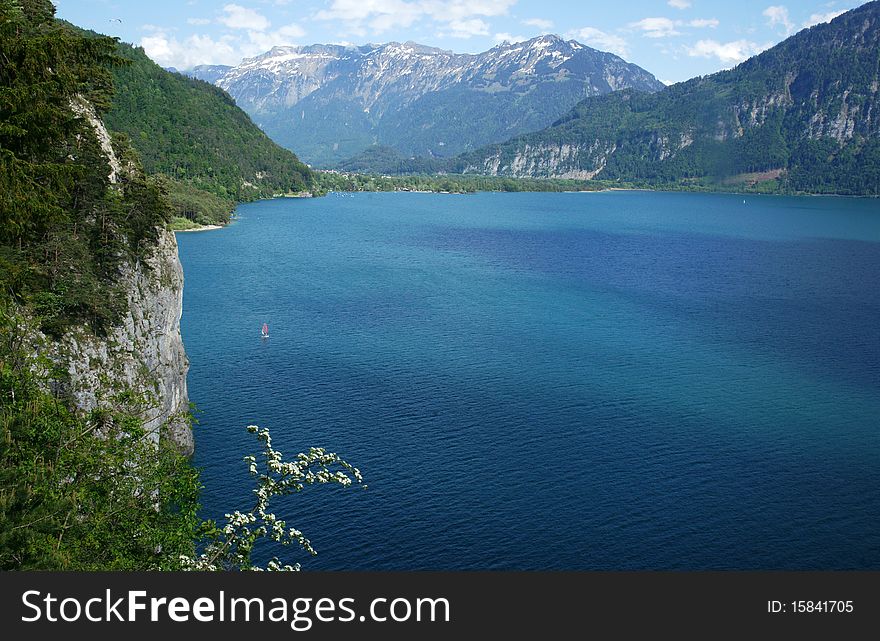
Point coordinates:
[[192, 133]]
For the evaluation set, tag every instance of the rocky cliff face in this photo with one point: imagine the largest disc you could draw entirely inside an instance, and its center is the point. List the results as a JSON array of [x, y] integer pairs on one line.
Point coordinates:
[[141, 365], [328, 102], [546, 160]]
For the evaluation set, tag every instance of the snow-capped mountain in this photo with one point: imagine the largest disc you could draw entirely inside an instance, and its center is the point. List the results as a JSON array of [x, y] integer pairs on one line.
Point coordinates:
[[208, 73], [330, 102]]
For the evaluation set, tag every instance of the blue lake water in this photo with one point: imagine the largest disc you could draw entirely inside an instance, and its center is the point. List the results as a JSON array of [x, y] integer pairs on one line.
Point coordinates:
[[619, 380]]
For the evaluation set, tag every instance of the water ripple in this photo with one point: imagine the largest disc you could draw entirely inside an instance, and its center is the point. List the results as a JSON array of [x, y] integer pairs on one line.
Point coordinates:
[[534, 381]]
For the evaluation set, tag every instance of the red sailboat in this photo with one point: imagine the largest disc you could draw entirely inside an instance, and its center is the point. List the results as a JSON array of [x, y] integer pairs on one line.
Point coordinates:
[[265, 331]]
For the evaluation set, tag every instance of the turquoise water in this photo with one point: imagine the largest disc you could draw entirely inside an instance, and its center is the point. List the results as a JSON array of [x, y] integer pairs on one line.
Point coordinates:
[[620, 380]]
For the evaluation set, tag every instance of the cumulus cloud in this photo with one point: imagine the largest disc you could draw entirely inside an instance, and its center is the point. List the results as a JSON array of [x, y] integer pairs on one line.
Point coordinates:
[[252, 35], [679, 4], [702, 23], [667, 28], [506, 37], [656, 27], [819, 18], [777, 15], [540, 23], [459, 18], [601, 40], [729, 53], [261, 41], [468, 28], [168, 51], [237, 17], [461, 9]]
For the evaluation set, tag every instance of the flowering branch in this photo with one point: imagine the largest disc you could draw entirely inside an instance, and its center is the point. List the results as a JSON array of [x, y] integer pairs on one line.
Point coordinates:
[[230, 546]]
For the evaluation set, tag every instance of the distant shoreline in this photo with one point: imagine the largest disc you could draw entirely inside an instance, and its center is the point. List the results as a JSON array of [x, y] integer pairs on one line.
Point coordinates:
[[200, 228]]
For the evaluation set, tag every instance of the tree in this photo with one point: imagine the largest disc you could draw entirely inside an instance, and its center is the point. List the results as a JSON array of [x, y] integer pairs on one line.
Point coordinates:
[[230, 547], [93, 492]]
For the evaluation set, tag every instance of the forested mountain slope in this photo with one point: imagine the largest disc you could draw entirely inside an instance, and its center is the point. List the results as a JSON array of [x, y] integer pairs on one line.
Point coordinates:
[[804, 115]]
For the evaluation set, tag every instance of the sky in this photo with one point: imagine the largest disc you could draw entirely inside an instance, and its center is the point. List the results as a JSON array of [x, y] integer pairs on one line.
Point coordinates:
[[673, 39]]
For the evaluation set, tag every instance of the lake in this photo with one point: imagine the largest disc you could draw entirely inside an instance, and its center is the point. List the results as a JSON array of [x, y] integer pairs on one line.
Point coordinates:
[[619, 380]]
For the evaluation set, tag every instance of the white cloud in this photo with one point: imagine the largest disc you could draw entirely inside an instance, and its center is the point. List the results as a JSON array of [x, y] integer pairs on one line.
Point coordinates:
[[461, 9], [729, 53], [460, 18], [506, 37], [468, 28], [291, 30], [656, 27], [667, 27], [351, 10], [679, 4], [198, 21], [259, 41], [540, 23], [819, 18], [379, 15], [600, 40], [237, 17], [777, 15], [168, 51], [252, 37]]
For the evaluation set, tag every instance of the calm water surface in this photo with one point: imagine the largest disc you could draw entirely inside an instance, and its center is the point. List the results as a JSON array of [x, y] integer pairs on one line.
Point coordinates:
[[550, 381]]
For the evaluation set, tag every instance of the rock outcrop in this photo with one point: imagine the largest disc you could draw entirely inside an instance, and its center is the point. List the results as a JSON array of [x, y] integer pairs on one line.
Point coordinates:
[[141, 364]]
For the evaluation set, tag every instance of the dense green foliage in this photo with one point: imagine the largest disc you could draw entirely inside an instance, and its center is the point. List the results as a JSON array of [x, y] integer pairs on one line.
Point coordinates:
[[196, 205], [450, 183], [193, 134], [93, 492], [64, 229], [379, 159], [71, 501], [821, 166], [804, 107]]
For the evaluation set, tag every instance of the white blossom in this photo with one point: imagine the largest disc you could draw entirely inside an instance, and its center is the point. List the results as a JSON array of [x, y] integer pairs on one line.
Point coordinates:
[[232, 544]]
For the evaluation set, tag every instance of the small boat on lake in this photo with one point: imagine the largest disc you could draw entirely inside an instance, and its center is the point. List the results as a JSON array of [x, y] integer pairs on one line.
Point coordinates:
[[264, 333]]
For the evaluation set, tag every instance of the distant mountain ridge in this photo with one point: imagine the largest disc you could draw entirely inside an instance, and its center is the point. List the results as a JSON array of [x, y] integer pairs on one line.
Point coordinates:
[[804, 114], [331, 102], [207, 73]]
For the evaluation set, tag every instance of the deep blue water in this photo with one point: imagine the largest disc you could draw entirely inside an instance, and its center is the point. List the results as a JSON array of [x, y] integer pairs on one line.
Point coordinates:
[[551, 381]]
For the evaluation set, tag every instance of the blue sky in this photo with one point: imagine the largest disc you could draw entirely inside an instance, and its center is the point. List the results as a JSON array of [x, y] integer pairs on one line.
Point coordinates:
[[673, 39]]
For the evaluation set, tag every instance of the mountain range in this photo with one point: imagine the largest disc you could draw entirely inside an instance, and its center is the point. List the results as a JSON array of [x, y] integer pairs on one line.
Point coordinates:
[[803, 115], [329, 102]]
